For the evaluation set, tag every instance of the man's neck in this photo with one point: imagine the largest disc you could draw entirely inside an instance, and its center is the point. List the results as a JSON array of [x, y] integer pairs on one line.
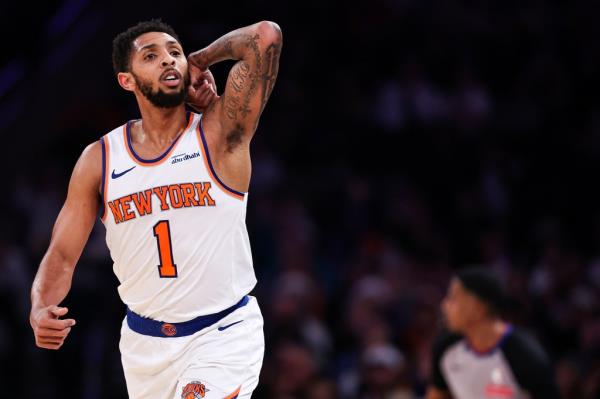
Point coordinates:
[[487, 334], [161, 125]]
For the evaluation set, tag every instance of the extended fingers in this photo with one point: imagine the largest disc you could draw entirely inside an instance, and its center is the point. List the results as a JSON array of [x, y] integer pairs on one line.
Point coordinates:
[[56, 324]]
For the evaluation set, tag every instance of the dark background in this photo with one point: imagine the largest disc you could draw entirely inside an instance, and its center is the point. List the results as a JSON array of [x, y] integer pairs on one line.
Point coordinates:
[[404, 139]]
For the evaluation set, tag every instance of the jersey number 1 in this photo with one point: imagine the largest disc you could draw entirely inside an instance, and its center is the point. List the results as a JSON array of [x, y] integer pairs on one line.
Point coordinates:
[[167, 267]]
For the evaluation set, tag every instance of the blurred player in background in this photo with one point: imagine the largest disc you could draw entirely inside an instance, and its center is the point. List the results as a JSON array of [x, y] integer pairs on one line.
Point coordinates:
[[171, 189], [482, 356]]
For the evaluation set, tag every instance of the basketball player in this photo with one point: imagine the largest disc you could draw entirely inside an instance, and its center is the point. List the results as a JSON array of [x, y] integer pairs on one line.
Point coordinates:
[[483, 356], [171, 190]]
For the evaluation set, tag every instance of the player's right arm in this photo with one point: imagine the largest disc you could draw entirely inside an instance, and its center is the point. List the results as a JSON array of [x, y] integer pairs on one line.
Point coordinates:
[[69, 235], [438, 387]]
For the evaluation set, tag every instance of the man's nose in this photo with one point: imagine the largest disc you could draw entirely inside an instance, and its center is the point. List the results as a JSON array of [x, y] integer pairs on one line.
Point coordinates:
[[168, 60]]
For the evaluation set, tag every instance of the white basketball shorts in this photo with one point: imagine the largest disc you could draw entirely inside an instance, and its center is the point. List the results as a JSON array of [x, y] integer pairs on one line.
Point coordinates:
[[220, 361]]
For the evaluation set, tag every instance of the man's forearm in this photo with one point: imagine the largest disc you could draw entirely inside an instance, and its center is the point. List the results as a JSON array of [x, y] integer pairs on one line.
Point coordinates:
[[52, 282], [240, 44]]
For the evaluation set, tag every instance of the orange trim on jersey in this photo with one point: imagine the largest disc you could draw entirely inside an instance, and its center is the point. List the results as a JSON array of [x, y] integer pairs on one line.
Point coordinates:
[[106, 169], [234, 394], [226, 190], [164, 156]]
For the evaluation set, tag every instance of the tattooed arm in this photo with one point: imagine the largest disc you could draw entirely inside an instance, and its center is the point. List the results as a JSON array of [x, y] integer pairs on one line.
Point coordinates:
[[250, 83]]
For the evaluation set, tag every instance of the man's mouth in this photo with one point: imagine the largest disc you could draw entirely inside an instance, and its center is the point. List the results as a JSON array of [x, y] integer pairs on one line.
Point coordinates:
[[171, 78]]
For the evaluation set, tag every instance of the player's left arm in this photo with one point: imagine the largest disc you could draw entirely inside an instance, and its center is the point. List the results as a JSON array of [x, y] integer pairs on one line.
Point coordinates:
[[256, 48], [531, 366], [537, 377]]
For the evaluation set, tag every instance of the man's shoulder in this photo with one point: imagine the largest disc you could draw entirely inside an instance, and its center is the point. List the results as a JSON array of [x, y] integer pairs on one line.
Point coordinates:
[[92, 152], [117, 130], [522, 344], [530, 364]]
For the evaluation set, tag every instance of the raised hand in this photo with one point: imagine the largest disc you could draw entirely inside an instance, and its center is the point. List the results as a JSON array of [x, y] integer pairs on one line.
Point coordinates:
[[202, 90]]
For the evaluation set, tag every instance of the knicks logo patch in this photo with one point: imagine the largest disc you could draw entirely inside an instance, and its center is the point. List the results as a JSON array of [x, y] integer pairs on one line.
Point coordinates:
[[168, 329], [193, 390]]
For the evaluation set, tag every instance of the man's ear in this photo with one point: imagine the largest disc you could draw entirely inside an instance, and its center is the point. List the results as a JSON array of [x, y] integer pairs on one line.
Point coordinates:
[[126, 81]]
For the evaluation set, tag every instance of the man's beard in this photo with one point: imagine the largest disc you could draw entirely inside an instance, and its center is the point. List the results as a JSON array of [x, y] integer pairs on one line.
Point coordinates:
[[161, 99]]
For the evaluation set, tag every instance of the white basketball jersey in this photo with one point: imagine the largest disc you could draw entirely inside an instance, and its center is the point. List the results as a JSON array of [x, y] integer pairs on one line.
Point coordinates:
[[176, 234]]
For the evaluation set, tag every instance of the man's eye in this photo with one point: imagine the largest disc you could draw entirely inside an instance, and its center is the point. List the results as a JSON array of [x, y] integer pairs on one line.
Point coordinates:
[[150, 56], [175, 53]]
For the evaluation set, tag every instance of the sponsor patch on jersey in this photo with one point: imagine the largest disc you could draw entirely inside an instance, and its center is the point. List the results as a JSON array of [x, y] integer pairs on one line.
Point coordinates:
[[194, 390], [184, 157]]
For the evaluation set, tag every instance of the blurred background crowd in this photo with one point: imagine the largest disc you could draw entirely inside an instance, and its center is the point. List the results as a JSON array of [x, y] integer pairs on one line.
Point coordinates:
[[404, 139]]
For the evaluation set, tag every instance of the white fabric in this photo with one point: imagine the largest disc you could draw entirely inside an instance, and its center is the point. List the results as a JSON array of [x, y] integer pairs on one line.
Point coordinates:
[[210, 245], [221, 361]]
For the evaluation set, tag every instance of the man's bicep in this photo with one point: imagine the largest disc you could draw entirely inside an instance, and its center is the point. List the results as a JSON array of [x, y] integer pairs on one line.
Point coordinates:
[[536, 375], [72, 229], [251, 80], [77, 216], [237, 96], [530, 365]]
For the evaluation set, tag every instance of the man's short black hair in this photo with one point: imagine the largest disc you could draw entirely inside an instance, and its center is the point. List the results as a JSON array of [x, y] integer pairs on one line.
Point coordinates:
[[123, 42], [486, 286]]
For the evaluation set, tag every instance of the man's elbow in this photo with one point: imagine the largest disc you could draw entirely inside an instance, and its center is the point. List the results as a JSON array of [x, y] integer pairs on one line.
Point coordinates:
[[269, 32]]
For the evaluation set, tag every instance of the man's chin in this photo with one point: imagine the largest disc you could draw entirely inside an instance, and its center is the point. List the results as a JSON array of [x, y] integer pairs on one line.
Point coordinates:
[[164, 100], [451, 327], [166, 106]]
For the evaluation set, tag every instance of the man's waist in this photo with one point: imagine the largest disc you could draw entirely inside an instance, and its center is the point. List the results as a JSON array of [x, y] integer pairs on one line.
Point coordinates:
[[165, 329]]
